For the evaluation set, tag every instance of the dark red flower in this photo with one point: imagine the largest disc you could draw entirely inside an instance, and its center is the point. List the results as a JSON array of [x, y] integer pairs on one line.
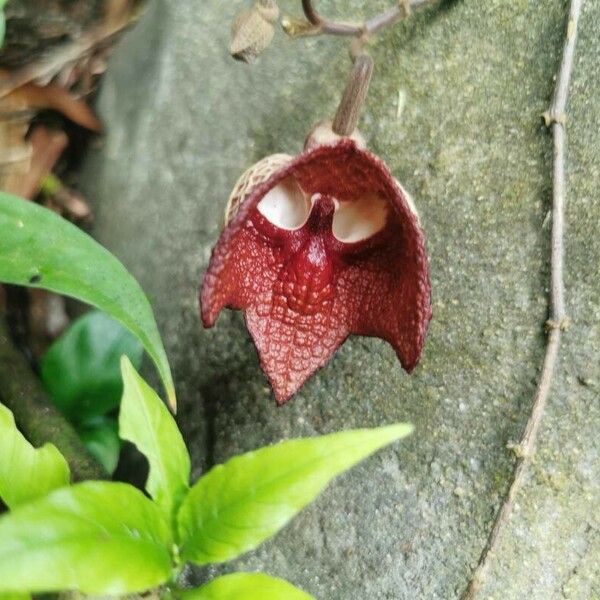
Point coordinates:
[[320, 247]]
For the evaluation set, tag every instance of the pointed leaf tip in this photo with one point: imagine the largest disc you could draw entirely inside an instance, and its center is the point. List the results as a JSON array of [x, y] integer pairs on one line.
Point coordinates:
[[145, 421], [172, 401], [240, 504]]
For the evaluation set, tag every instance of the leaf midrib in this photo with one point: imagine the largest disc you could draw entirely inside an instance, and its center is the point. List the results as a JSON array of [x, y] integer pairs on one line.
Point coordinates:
[[86, 538], [158, 465], [231, 506]]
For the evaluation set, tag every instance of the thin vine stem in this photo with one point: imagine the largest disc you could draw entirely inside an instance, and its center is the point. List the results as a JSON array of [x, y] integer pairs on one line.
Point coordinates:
[[320, 25], [311, 14], [398, 12], [558, 322]]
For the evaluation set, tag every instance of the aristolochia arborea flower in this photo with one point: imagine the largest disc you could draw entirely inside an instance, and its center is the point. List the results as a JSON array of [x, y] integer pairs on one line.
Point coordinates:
[[316, 248]]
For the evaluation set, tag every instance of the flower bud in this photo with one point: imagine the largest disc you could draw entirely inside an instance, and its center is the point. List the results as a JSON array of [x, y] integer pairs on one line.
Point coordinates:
[[253, 30]]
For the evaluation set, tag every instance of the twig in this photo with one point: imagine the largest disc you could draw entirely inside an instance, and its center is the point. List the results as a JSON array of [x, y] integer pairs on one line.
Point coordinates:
[[311, 14], [325, 26], [394, 14], [558, 322], [315, 24], [38, 420]]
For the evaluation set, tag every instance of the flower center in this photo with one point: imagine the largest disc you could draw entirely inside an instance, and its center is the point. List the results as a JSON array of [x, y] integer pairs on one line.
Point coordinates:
[[288, 207]]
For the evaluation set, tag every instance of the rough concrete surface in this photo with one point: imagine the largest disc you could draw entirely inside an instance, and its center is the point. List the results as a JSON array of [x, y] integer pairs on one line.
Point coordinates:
[[455, 110]]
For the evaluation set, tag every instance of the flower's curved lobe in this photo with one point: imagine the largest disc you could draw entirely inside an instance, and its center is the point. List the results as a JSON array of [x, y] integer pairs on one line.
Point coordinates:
[[355, 263]]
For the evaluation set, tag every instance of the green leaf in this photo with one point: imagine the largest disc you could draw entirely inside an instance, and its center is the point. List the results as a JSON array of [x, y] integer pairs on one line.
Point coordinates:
[[238, 505], [15, 596], [40, 249], [94, 537], [81, 369], [145, 421], [101, 438], [27, 473], [2, 22], [247, 586]]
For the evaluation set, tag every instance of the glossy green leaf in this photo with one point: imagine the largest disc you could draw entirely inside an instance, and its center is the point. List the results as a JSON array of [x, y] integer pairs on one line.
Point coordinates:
[[15, 596], [145, 421], [81, 370], [238, 505], [40, 249], [94, 537], [27, 473], [101, 437], [247, 586]]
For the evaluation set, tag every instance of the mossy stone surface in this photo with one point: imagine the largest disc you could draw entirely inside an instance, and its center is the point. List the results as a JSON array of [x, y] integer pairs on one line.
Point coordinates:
[[455, 110]]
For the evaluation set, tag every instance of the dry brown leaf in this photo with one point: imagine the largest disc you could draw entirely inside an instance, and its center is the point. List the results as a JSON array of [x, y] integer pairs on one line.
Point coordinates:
[[118, 12], [15, 153], [59, 99], [65, 201], [19, 174], [47, 147]]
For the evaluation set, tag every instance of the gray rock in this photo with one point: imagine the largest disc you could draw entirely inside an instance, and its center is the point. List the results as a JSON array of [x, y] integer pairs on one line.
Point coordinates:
[[455, 111]]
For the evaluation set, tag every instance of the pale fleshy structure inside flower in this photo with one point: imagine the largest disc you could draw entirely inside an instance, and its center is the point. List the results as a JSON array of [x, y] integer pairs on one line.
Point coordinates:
[[287, 206], [320, 247]]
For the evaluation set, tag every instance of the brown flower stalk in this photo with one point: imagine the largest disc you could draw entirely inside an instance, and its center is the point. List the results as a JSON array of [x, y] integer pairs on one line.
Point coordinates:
[[357, 87]]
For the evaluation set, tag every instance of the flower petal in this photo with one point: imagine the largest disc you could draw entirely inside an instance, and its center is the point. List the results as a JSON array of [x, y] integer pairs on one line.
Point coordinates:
[[305, 290]]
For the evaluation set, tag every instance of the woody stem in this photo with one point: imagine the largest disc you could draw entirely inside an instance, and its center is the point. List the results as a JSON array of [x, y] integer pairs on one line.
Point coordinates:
[[555, 120], [311, 14], [327, 26]]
